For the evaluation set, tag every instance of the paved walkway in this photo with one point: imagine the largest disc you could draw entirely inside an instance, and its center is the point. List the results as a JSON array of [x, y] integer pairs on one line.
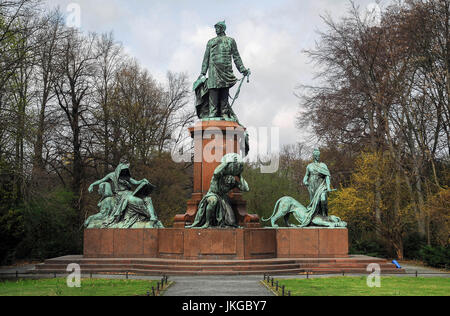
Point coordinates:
[[410, 268], [217, 286]]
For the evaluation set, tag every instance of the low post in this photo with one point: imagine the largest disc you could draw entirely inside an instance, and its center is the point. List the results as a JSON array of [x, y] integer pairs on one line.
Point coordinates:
[[272, 282], [153, 291], [282, 290], [276, 286]]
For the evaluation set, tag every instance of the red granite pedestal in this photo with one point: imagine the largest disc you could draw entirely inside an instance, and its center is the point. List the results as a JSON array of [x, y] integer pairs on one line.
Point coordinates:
[[219, 244], [212, 141]]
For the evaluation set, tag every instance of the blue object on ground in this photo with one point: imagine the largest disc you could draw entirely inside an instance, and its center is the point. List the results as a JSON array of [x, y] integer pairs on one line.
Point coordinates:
[[396, 264]]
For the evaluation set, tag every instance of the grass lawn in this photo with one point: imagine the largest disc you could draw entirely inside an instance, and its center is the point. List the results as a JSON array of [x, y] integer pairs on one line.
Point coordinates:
[[89, 287], [357, 286]]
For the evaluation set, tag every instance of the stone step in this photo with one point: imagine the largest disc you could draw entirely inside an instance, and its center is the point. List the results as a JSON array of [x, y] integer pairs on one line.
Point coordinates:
[[224, 263], [87, 267], [312, 261], [268, 269], [159, 270], [158, 266], [214, 265], [173, 272], [352, 270], [173, 264], [248, 272], [346, 265]]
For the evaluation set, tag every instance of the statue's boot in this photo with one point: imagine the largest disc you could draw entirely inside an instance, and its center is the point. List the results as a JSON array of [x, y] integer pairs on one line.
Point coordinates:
[[213, 114], [213, 110]]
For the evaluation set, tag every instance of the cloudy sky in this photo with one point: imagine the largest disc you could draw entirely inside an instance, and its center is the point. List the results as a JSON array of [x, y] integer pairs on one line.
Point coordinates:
[[271, 35]]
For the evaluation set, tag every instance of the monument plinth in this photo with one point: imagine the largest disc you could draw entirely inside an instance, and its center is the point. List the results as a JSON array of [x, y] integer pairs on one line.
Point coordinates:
[[216, 244], [213, 139]]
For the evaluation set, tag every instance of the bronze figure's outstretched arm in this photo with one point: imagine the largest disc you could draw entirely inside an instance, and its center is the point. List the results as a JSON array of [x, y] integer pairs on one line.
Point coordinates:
[[136, 182], [105, 179]]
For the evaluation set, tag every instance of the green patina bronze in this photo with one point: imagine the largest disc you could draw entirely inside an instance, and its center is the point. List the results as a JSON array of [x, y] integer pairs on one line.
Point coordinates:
[[120, 207], [317, 179], [215, 208], [213, 92]]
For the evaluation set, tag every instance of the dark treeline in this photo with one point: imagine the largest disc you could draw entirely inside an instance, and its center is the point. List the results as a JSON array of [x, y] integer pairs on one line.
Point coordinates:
[[72, 106], [384, 98]]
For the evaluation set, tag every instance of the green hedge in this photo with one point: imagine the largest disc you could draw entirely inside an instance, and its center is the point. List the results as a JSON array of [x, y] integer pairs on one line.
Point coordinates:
[[438, 257]]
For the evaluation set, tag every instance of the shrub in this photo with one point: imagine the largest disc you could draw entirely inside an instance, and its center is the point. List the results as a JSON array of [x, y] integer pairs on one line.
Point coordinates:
[[368, 247], [50, 227], [438, 257], [412, 244]]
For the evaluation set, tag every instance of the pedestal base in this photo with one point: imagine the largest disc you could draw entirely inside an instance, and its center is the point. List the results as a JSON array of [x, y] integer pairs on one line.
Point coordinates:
[[223, 244]]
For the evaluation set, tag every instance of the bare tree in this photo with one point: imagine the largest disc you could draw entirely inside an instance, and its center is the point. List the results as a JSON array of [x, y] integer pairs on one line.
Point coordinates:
[[109, 62], [49, 37], [386, 88], [73, 89]]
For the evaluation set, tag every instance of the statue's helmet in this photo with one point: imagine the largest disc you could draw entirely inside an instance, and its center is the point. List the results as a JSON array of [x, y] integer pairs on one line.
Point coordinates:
[[222, 25]]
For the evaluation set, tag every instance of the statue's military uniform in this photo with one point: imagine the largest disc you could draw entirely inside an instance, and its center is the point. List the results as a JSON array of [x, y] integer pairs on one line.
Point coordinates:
[[218, 55]]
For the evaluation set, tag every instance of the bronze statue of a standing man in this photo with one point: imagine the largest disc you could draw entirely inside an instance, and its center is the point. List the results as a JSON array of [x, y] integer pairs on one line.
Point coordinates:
[[218, 59]]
